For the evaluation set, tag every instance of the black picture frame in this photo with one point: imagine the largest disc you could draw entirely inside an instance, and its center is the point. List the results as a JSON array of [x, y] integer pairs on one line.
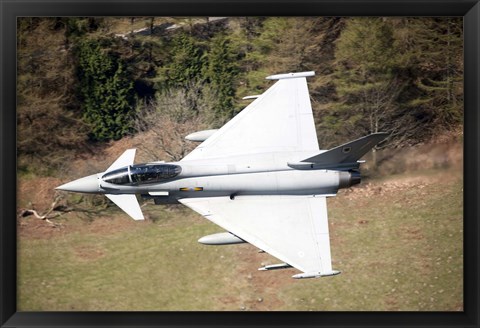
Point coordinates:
[[10, 10]]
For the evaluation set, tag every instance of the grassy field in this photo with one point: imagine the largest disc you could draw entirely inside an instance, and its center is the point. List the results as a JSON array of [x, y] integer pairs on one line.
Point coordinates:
[[397, 240]]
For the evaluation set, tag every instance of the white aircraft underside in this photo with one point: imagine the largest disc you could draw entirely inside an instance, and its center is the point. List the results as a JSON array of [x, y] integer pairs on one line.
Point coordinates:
[[261, 177]]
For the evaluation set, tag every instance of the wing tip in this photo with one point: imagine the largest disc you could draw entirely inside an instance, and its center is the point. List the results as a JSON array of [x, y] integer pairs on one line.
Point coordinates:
[[306, 275], [290, 75]]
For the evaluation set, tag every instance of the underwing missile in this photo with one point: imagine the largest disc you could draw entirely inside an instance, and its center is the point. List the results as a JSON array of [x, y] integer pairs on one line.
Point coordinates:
[[275, 267]]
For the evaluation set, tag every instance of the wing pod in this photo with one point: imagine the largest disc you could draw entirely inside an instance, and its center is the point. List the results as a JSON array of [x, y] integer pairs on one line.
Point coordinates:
[[275, 267], [251, 97], [200, 136], [222, 238]]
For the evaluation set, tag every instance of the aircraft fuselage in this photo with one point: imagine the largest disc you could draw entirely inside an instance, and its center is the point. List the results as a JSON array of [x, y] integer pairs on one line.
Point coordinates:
[[168, 182]]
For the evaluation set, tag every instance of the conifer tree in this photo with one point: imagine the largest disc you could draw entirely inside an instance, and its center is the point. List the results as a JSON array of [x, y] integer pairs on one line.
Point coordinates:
[[106, 91], [364, 78], [281, 46], [49, 119], [184, 65], [249, 63], [436, 56], [221, 73]]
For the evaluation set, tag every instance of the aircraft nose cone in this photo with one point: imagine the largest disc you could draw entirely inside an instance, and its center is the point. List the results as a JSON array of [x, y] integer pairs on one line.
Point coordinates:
[[87, 184]]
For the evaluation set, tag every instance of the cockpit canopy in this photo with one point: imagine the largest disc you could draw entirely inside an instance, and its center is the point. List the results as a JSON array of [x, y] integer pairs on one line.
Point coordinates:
[[142, 174]]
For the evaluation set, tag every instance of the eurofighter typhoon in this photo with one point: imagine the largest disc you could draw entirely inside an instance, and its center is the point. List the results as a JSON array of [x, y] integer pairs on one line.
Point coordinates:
[[261, 177]]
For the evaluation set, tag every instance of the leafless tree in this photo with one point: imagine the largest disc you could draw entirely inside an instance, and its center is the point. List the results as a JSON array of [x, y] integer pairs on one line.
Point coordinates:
[[162, 124]]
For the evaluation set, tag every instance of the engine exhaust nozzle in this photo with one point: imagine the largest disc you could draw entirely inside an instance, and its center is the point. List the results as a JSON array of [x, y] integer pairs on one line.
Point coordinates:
[[348, 179]]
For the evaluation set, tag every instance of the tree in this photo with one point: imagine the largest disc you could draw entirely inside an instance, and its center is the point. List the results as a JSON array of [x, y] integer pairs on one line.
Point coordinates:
[[106, 91], [221, 73], [243, 35], [435, 54], [50, 126], [184, 65], [162, 124], [364, 73], [365, 80]]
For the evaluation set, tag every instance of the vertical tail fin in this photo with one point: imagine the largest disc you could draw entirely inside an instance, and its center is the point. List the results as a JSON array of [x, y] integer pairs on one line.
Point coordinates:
[[350, 152]]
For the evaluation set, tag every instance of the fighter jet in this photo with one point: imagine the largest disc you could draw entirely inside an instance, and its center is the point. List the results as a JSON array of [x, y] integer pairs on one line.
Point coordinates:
[[261, 177]]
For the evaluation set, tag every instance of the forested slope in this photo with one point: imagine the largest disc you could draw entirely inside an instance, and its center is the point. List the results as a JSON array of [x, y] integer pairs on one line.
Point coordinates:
[[84, 82]]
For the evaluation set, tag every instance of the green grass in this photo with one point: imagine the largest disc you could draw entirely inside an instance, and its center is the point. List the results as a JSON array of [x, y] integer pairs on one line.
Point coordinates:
[[397, 250], [152, 266]]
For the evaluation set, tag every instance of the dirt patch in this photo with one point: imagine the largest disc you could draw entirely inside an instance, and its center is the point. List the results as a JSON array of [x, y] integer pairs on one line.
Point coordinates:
[[37, 193], [395, 185], [398, 185], [263, 286], [228, 302], [88, 253], [411, 233], [391, 303], [110, 225], [33, 228]]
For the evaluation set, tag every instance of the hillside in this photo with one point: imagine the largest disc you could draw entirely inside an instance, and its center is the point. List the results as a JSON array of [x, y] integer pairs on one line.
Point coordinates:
[[397, 238], [97, 80], [103, 85]]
